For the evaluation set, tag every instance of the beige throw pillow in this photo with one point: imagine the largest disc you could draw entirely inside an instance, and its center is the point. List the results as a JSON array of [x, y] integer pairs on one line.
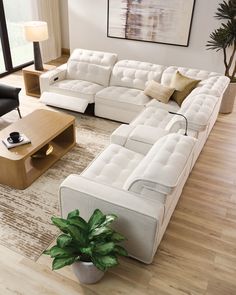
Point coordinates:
[[157, 91], [183, 86]]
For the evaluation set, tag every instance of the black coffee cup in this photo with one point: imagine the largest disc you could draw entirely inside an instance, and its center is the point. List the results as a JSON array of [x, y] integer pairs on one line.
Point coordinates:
[[15, 136]]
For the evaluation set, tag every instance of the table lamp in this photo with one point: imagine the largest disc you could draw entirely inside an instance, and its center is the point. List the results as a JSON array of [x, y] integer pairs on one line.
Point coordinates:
[[35, 32]]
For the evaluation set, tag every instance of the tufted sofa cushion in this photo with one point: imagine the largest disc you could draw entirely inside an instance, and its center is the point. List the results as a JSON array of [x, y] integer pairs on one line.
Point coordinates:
[[161, 169], [76, 88], [113, 166], [152, 116], [198, 110], [122, 97], [135, 74], [191, 73], [92, 66], [213, 86]]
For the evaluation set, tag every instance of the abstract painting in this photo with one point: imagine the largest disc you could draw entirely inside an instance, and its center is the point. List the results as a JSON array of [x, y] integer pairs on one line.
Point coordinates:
[[161, 21]]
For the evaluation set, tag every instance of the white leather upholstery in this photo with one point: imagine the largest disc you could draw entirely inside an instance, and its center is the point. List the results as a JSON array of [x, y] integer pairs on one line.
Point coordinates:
[[143, 217], [135, 74], [162, 166], [76, 88], [152, 116], [124, 99], [191, 73], [85, 73], [140, 221], [212, 86], [113, 166], [92, 66]]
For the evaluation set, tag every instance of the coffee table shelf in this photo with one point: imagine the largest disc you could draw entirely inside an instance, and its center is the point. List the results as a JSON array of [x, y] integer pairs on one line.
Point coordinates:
[[42, 127]]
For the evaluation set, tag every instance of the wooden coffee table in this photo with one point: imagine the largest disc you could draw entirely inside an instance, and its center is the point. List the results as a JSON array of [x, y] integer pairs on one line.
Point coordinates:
[[18, 168]]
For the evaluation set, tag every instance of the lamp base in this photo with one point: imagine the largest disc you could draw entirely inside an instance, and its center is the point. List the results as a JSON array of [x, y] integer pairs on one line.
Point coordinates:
[[38, 65]]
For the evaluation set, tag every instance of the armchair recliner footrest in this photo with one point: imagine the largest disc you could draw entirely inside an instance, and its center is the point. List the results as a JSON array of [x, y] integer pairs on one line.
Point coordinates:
[[64, 101]]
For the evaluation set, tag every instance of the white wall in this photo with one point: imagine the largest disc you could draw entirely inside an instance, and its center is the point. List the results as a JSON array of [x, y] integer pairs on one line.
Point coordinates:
[[88, 29], [65, 43]]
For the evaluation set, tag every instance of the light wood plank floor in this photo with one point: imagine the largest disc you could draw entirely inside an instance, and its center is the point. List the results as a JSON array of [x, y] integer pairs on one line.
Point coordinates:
[[197, 254]]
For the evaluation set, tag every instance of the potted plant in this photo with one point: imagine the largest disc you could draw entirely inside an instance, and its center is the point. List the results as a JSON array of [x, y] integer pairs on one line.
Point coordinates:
[[90, 247], [224, 38]]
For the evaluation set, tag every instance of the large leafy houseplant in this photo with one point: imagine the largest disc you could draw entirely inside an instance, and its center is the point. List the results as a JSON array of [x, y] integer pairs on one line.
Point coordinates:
[[224, 38], [93, 241]]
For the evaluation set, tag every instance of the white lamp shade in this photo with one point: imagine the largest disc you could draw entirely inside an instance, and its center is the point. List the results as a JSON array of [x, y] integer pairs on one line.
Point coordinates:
[[36, 31]]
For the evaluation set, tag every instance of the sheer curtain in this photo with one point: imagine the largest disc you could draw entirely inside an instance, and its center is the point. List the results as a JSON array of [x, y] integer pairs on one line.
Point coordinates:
[[48, 11]]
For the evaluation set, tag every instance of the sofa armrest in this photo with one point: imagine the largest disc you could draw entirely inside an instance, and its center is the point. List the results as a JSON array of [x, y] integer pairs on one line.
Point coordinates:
[[52, 76], [10, 92], [139, 219]]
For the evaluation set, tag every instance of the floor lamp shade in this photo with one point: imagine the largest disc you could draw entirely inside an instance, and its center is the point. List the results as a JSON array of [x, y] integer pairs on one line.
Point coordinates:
[[35, 32]]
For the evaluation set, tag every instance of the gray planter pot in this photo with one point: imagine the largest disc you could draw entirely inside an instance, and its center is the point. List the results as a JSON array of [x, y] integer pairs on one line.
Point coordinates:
[[227, 103], [87, 272]]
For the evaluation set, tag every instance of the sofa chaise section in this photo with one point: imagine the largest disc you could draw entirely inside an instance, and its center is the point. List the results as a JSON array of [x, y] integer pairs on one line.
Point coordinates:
[[141, 190]]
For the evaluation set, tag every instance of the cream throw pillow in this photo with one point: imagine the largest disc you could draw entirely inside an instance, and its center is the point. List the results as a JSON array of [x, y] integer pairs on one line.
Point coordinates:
[[183, 86], [158, 91]]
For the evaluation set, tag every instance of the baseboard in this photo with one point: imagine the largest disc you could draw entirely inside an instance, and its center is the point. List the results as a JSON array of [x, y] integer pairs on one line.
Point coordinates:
[[65, 51]]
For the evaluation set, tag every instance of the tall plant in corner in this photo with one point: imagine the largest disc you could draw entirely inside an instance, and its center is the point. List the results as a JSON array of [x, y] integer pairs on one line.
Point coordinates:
[[224, 38]]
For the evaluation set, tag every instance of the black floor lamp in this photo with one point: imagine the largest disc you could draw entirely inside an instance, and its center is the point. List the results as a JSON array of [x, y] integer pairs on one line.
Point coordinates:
[[35, 32]]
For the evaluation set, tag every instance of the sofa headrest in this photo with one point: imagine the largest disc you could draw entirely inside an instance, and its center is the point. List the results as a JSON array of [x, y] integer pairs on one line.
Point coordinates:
[[92, 66], [191, 73], [162, 167], [135, 74]]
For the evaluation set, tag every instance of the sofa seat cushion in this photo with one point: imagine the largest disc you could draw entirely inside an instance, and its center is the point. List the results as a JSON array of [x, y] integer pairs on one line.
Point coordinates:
[[152, 116], [113, 166], [77, 88], [135, 74], [122, 97], [161, 169]]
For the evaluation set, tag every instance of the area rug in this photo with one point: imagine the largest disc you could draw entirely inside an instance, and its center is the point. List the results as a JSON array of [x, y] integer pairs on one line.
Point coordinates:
[[25, 225]]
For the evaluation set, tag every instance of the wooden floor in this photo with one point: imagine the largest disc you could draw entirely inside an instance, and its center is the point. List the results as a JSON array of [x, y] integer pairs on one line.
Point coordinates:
[[196, 256]]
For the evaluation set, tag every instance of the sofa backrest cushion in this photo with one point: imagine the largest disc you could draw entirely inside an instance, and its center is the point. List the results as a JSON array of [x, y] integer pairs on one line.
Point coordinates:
[[135, 74], [92, 66], [191, 73], [162, 167]]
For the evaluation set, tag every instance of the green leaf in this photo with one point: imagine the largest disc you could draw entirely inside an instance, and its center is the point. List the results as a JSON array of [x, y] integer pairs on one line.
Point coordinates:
[[104, 249], [109, 219], [61, 223], [77, 235], [96, 219], [61, 262], [117, 237], [56, 251], [120, 251], [100, 231], [73, 214], [97, 264], [63, 240], [79, 222], [105, 262], [87, 251]]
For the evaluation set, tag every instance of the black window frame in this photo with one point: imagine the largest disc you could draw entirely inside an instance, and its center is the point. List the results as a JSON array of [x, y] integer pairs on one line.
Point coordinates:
[[6, 46]]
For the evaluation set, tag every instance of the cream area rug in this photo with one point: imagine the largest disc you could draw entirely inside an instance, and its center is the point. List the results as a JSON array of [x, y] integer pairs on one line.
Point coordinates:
[[25, 225]]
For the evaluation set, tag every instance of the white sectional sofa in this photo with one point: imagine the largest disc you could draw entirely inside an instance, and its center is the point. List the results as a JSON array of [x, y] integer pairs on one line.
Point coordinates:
[[141, 174]]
